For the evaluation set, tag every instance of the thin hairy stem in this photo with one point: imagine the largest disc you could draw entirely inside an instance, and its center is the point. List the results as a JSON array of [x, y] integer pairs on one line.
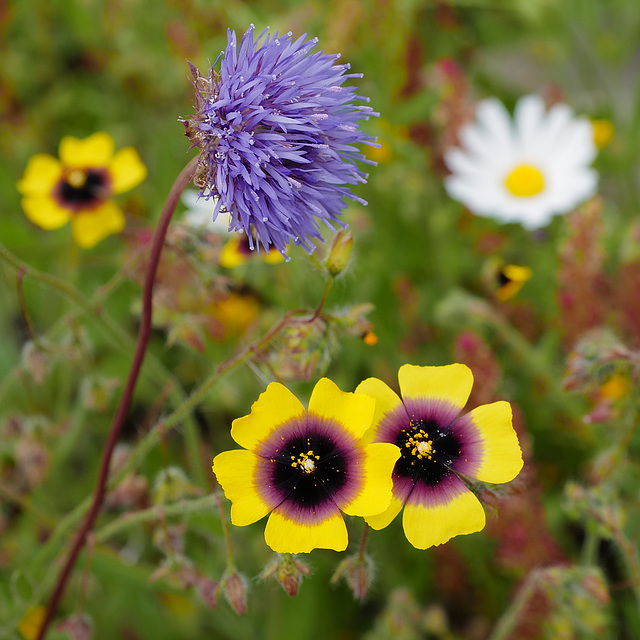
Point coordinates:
[[125, 400]]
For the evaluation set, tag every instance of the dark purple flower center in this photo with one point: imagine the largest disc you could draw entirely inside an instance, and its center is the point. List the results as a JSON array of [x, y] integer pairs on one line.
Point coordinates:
[[427, 452], [309, 470], [83, 188]]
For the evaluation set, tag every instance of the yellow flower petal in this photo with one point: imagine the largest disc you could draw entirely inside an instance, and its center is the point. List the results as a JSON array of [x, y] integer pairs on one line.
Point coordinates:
[[385, 518], [501, 454], [377, 467], [272, 256], [89, 227], [29, 626], [451, 383], [353, 412], [94, 151], [427, 526], [287, 536], [45, 212], [273, 407], [235, 471], [232, 254], [126, 170], [386, 402], [40, 176]]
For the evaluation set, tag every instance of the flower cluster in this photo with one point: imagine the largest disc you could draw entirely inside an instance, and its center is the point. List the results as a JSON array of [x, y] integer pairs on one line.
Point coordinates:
[[276, 128], [368, 453]]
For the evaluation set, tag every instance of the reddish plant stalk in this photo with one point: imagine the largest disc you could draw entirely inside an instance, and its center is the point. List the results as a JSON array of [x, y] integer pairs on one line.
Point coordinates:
[[144, 333]]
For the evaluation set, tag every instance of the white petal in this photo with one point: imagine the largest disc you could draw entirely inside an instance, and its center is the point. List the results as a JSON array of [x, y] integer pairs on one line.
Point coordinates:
[[528, 117]]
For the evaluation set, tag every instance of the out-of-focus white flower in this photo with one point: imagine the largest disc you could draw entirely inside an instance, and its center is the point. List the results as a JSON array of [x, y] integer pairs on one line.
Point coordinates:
[[524, 169], [199, 213]]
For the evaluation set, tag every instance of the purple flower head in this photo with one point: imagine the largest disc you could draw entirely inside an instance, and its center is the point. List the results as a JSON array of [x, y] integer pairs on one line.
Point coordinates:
[[277, 132]]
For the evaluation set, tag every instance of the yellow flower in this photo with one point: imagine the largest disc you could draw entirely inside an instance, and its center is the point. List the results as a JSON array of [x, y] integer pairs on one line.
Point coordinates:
[[603, 132], [30, 625], [305, 467], [79, 186], [438, 448], [236, 251], [505, 280]]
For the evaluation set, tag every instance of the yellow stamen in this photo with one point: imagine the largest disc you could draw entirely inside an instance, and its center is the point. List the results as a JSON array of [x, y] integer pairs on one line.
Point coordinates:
[[524, 181], [77, 178], [306, 461], [421, 447]]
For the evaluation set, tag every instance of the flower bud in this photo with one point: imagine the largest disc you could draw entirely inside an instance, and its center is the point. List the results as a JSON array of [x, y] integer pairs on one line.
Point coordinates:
[[358, 572], [288, 571], [339, 253], [234, 589]]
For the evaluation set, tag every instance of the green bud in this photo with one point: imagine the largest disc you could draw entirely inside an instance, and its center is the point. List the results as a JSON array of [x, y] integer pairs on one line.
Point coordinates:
[[339, 253]]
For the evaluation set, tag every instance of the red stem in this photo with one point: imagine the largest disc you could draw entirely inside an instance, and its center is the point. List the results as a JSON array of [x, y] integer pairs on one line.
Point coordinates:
[[127, 394]]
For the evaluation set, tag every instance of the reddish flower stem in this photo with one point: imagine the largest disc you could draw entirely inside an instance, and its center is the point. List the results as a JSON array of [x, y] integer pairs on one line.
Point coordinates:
[[127, 394]]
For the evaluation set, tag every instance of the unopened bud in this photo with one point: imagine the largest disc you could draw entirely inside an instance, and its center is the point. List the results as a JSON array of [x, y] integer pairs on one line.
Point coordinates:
[[234, 589], [339, 253], [358, 572], [288, 571]]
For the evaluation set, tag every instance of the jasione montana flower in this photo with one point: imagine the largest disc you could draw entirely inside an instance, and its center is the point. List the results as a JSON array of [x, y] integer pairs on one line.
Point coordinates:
[[438, 449], [305, 467], [525, 170], [79, 187], [276, 128]]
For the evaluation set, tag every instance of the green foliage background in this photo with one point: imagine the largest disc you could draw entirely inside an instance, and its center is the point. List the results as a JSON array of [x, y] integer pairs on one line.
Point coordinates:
[[74, 67]]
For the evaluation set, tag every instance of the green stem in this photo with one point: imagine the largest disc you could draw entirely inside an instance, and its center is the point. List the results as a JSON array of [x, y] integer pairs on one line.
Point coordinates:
[[181, 508], [511, 616]]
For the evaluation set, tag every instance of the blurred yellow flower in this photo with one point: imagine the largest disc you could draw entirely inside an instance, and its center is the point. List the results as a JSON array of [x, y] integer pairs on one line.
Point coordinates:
[[603, 132], [30, 624], [78, 187], [236, 251]]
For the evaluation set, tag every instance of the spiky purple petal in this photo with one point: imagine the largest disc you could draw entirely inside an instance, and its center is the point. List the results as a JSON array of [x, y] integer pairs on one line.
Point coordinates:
[[277, 130]]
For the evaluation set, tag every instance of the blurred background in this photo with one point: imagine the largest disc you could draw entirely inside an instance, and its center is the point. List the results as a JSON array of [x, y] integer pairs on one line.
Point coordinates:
[[563, 349]]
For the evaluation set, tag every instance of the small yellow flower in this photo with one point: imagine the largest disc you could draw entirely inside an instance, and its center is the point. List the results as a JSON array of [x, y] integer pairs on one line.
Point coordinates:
[[30, 624], [236, 251], [78, 187], [306, 467], [505, 280], [603, 132]]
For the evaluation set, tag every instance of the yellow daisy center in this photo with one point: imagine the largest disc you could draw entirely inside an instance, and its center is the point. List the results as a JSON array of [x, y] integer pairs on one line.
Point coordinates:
[[306, 461], [76, 178], [524, 181], [420, 445]]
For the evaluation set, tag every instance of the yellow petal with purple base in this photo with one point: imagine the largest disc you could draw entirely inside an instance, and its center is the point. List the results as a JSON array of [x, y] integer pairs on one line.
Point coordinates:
[[40, 176], [45, 212], [450, 384], [428, 525], [491, 432], [386, 399], [284, 535], [126, 170], [274, 407], [90, 227], [94, 151], [384, 519], [235, 471], [351, 411], [375, 494]]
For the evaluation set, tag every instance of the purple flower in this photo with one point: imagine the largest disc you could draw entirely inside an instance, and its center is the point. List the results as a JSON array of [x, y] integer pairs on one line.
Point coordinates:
[[277, 129]]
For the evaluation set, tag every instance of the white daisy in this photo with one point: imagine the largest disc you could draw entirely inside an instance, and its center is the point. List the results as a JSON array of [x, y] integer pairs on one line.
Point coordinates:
[[199, 213], [526, 169]]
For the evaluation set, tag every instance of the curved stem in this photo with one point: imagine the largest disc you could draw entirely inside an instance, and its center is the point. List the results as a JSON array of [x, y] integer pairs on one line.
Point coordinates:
[[125, 400]]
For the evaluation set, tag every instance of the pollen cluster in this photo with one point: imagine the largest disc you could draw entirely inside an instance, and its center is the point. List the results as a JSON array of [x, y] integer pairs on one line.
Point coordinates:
[[306, 461]]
